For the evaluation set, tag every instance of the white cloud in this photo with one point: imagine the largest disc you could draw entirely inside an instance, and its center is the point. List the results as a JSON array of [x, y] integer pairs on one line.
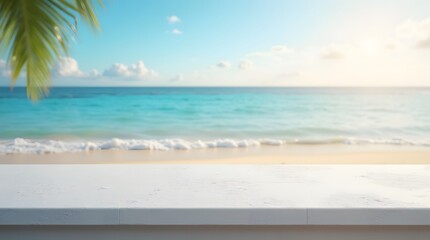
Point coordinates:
[[177, 32], [173, 19], [276, 50], [178, 78], [333, 52], [133, 71], [424, 43], [67, 67], [245, 64], [224, 64], [289, 76], [94, 73], [280, 49], [392, 44], [415, 33], [5, 71]]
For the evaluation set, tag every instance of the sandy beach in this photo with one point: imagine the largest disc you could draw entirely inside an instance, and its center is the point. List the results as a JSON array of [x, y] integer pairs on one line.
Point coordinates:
[[264, 155]]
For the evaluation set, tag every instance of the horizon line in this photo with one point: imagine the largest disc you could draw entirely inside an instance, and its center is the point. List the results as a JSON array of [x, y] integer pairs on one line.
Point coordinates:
[[224, 87]]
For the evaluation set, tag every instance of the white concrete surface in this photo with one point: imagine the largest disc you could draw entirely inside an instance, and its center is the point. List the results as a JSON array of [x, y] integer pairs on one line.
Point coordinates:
[[214, 194]]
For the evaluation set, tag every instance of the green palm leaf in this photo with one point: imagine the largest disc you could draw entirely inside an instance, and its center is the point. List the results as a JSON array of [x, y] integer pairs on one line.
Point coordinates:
[[35, 33]]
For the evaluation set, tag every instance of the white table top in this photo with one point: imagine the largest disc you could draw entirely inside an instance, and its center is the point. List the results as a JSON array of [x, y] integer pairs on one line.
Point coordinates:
[[215, 194]]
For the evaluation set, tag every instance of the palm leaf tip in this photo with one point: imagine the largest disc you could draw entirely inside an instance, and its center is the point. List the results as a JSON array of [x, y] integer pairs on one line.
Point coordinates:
[[35, 33]]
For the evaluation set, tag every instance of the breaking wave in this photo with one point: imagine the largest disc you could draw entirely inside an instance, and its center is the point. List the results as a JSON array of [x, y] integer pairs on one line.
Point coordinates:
[[20, 145]]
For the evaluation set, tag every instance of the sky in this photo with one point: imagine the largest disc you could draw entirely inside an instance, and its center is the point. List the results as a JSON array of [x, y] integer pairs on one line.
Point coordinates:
[[250, 43]]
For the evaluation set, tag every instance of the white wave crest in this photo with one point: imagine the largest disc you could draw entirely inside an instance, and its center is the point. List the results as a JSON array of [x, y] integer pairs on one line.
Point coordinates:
[[21, 145]]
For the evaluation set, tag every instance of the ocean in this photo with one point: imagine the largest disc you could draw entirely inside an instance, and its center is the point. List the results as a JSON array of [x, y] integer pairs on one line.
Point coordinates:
[[166, 118]]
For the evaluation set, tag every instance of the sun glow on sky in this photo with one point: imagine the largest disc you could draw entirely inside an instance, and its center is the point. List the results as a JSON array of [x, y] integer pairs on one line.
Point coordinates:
[[370, 47]]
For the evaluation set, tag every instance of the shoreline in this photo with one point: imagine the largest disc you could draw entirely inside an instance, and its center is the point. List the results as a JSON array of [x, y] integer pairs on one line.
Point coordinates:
[[328, 154]]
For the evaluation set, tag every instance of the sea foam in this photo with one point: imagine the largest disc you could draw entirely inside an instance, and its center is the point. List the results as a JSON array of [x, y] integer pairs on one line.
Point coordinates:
[[21, 145]]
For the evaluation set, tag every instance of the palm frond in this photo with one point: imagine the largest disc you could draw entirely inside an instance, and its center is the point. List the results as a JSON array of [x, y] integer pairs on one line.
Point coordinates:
[[35, 33], [87, 11]]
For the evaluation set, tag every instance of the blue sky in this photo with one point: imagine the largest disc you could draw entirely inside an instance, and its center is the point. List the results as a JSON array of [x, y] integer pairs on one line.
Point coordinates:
[[270, 39]]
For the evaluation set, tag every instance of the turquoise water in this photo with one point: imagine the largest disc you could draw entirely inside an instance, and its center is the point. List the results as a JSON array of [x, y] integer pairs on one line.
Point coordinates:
[[74, 119]]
